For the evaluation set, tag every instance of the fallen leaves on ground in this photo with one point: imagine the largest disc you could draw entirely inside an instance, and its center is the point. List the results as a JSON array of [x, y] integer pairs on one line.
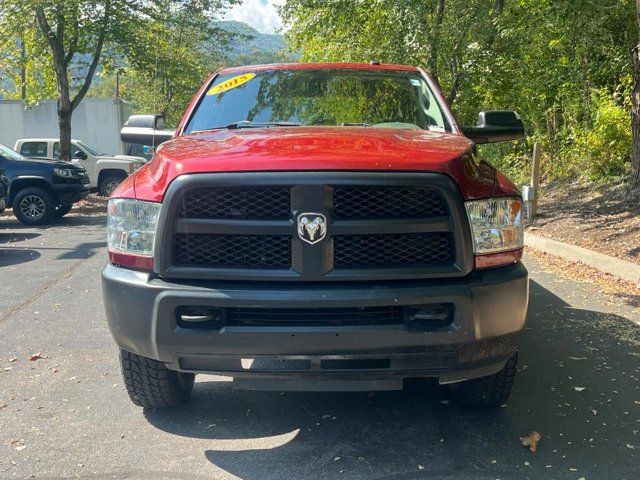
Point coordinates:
[[93, 200], [531, 441], [606, 283]]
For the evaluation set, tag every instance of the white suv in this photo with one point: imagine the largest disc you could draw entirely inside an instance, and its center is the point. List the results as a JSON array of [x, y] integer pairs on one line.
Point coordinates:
[[105, 171]]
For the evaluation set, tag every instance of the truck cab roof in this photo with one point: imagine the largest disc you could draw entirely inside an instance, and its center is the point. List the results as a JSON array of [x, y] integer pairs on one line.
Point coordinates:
[[322, 65]]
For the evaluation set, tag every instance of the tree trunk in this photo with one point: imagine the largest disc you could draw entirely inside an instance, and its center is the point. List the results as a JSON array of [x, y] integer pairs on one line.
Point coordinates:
[[61, 60], [64, 126], [65, 110], [635, 114], [635, 123]]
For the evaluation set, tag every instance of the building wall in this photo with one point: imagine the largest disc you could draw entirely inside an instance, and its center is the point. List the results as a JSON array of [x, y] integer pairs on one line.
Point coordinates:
[[96, 121]]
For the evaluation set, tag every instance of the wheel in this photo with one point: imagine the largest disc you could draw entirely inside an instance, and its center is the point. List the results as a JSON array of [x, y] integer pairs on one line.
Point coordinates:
[[151, 384], [33, 206], [62, 211], [109, 184], [486, 392]]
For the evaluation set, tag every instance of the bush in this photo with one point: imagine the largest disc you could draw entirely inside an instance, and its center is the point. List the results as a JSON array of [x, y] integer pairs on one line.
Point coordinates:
[[591, 142], [603, 149]]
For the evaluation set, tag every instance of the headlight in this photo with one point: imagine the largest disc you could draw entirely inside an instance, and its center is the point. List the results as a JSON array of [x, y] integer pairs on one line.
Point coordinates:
[[131, 226], [64, 172], [496, 224]]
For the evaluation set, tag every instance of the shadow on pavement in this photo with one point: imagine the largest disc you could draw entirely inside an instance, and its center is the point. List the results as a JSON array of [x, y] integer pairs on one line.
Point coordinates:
[[10, 257], [12, 237], [82, 251], [67, 221], [578, 385]]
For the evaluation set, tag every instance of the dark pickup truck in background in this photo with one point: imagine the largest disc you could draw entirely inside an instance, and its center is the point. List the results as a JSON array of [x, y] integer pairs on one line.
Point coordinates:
[[318, 227], [40, 189]]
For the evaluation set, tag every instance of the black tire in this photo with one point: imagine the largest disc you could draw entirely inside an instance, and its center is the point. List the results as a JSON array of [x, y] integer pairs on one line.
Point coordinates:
[[62, 211], [33, 206], [151, 384], [109, 183], [486, 392]]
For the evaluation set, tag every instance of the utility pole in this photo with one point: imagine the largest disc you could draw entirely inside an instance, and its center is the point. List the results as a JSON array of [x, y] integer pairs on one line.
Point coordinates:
[[535, 177]]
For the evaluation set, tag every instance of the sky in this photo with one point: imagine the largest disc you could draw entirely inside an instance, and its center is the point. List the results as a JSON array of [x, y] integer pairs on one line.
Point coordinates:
[[260, 14]]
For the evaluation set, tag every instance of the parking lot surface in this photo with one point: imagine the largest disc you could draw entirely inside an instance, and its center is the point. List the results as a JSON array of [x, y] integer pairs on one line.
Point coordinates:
[[67, 415]]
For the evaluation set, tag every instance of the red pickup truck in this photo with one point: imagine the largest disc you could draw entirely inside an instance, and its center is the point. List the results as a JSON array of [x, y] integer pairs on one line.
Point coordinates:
[[318, 227]]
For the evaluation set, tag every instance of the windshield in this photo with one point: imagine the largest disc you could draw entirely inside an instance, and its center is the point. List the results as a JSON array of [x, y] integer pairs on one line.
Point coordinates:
[[335, 97], [9, 154], [91, 150]]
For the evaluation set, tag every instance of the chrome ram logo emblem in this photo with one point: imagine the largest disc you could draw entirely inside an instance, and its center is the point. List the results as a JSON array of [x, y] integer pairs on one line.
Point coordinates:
[[312, 227]]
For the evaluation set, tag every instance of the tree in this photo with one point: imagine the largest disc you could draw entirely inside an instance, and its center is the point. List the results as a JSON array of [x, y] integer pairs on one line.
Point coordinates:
[[26, 67], [168, 61], [78, 34], [635, 113], [436, 34], [564, 66], [69, 28]]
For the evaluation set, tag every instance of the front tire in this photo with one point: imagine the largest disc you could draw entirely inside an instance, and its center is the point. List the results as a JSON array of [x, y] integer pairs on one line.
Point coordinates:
[[109, 183], [486, 392], [33, 206], [62, 211], [150, 384]]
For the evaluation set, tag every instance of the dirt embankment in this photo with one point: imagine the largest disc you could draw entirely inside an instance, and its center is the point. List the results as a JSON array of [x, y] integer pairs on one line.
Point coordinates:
[[599, 218]]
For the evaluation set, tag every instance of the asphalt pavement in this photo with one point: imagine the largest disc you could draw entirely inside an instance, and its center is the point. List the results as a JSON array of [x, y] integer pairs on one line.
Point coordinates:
[[67, 415]]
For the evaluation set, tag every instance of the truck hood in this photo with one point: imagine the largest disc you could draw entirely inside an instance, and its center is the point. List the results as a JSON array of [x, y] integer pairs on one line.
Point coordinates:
[[313, 149], [51, 162], [128, 158]]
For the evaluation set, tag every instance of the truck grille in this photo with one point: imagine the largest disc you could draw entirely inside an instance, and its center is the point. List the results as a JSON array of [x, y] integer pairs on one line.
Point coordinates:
[[233, 251], [379, 226], [393, 250], [239, 203], [364, 202], [319, 317], [414, 317]]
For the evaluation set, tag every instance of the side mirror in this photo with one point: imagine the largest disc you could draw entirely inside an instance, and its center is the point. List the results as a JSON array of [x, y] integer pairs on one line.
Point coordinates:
[[145, 130], [496, 126], [80, 155]]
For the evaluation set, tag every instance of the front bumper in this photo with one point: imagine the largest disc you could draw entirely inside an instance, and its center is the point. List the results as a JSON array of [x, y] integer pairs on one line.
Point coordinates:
[[489, 311], [70, 193]]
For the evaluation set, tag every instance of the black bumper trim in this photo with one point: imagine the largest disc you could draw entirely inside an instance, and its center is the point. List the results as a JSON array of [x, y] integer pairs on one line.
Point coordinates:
[[489, 312], [70, 193]]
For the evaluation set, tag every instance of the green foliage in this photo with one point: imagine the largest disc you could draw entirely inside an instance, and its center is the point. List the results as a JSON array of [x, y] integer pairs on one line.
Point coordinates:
[[564, 66], [602, 150], [161, 49], [26, 53]]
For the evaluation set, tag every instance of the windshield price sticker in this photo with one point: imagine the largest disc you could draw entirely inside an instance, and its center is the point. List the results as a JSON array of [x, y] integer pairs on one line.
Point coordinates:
[[231, 83]]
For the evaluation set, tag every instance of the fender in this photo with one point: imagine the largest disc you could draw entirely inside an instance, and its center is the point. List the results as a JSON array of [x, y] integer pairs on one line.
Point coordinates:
[[114, 164], [26, 177]]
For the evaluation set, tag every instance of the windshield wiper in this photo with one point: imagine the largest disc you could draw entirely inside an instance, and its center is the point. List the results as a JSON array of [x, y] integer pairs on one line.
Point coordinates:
[[250, 124], [355, 124]]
